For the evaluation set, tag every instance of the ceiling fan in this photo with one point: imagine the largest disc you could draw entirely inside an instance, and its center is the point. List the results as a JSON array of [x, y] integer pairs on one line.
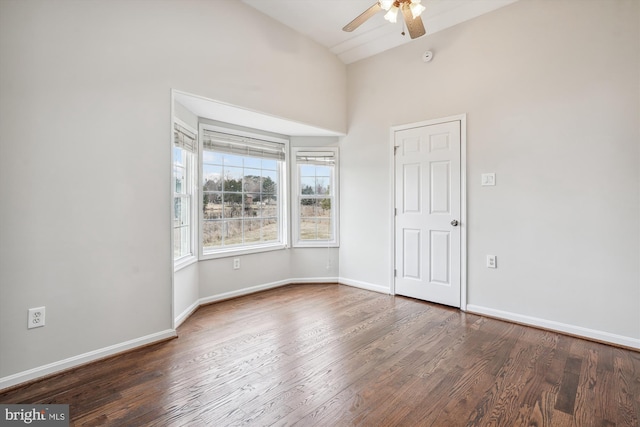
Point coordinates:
[[411, 10]]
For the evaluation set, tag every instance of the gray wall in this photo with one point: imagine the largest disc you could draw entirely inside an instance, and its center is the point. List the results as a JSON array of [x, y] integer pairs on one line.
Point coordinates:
[[550, 89], [85, 154]]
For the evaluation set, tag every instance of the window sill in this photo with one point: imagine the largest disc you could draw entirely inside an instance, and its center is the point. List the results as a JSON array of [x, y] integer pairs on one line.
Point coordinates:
[[184, 262], [303, 244], [224, 253]]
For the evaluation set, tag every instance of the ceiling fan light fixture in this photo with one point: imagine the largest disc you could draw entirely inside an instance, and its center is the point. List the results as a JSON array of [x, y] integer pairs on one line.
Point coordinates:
[[386, 4], [411, 11], [416, 8], [392, 14]]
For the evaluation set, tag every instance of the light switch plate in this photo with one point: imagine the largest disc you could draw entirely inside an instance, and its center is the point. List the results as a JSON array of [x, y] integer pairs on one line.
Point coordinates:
[[488, 179]]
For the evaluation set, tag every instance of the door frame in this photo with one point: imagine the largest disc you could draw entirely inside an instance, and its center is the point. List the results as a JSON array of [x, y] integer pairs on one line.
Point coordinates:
[[462, 118]]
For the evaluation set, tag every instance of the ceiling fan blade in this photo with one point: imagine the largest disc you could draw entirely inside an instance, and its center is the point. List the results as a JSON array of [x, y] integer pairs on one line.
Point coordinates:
[[362, 17], [415, 26]]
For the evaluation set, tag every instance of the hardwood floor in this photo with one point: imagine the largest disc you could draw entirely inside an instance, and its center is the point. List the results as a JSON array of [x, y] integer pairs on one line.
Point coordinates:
[[332, 355]]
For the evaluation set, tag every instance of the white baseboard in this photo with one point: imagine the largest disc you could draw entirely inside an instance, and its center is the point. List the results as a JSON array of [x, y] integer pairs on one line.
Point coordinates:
[[186, 313], [263, 287], [72, 362], [62, 365], [364, 285], [314, 280], [557, 326], [241, 292]]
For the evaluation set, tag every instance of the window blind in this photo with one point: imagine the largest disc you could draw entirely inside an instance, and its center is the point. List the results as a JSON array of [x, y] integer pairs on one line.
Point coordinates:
[[184, 138], [320, 158], [242, 146]]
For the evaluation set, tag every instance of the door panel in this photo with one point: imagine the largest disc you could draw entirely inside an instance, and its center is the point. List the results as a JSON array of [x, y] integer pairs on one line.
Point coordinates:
[[411, 188], [439, 265], [428, 186], [411, 247], [440, 188]]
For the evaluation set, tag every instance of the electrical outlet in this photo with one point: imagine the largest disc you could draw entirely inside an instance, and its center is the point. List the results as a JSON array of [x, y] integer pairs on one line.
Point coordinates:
[[236, 263], [492, 261], [36, 317]]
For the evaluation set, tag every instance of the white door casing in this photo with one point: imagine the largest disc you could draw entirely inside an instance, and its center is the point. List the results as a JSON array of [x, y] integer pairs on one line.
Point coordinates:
[[429, 211]]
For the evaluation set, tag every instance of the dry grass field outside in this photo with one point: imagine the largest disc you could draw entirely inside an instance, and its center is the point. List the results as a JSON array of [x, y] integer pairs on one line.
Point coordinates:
[[234, 225]]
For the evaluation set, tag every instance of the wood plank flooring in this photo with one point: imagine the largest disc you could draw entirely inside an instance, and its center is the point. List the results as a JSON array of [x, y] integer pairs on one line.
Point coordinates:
[[332, 355]]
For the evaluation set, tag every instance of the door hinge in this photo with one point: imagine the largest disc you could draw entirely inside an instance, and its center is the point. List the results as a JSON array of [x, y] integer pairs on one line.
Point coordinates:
[[395, 211], [395, 149], [395, 273]]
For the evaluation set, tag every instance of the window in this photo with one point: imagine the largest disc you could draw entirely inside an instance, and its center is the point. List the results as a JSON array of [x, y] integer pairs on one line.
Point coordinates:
[[243, 208], [315, 203], [184, 151]]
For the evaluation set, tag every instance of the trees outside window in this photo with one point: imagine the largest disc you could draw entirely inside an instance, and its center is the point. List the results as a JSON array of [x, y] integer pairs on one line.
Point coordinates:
[[242, 181], [315, 207]]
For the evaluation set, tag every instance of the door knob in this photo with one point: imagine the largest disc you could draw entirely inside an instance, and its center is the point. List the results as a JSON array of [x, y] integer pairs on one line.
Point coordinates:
[[454, 222]]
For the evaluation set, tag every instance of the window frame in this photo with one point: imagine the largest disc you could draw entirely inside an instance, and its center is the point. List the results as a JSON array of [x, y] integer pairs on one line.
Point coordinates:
[[283, 200], [190, 178], [296, 196]]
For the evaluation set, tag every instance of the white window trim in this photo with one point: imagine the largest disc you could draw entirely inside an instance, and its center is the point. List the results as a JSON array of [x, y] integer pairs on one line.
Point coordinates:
[[186, 260], [335, 206], [282, 195]]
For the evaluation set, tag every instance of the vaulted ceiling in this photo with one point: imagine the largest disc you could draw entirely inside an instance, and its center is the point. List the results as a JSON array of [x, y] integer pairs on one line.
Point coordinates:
[[322, 21]]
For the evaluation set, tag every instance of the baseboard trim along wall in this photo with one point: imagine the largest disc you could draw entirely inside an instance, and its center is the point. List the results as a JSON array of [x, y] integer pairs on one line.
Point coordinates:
[[186, 313], [82, 359], [264, 287], [240, 292], [92, 356], [364, 285], [578, 331]]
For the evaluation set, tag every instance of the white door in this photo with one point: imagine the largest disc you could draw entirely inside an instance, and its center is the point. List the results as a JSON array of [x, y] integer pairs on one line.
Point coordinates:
[[428, 208]]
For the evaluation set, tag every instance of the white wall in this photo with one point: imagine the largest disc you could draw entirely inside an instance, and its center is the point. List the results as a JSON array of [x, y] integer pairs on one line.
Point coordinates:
[[551, 95], [218, 279], [186, 292], [85, 155]]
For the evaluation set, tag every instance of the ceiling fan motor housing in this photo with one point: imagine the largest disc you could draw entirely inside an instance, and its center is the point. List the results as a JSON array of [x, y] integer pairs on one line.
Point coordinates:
[[411, 11]]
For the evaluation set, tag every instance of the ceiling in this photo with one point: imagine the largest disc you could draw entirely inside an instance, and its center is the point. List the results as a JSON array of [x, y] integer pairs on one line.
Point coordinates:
[[322, 21]]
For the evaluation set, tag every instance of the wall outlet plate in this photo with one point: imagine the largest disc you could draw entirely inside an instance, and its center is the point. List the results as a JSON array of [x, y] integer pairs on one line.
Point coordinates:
[[236, 263], [36, 317], [492, 261]]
